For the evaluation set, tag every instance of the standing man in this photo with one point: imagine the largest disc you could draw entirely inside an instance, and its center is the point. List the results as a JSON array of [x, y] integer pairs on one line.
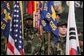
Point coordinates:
[[59, 48], [31, 40], [81, 43]]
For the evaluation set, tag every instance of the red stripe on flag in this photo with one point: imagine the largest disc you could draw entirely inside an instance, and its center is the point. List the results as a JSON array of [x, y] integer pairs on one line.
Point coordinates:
[[9, 46], [73, 51], [22, 52]]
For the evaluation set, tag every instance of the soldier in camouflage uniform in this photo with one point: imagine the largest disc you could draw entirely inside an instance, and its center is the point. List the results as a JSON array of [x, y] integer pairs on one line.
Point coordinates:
[[44, 43], [3, 50], [60, 45], [31, 41], [81, 44]]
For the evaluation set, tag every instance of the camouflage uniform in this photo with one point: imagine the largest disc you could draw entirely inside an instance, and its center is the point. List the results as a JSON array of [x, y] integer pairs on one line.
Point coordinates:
[[3, 51], [44, 44], [59, 47], [31, 40], [43, 50], [81, 47]]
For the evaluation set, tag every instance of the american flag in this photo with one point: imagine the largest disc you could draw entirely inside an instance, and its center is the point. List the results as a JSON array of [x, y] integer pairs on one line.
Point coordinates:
[[15, 43]]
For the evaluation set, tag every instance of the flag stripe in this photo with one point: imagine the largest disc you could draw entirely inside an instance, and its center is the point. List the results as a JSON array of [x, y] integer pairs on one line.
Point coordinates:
[[16, 52], [72, 33], [9, 52], [11, 48], [72, 37], [22, 52], [71, 29]]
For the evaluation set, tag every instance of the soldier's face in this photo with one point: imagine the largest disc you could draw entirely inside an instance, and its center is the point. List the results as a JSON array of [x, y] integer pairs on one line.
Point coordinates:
[[81, 43], [62, 30], [29, 22]]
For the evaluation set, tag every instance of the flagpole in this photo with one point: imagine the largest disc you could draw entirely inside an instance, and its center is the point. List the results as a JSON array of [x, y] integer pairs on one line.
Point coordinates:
[[40, 32], [21, 7], [48, 43], [6, 43], [34, 14], [67, 38], [22, 18]]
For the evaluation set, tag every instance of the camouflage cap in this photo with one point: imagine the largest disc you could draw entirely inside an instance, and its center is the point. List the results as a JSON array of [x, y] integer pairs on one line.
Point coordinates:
[[61, 23], [27, 17]]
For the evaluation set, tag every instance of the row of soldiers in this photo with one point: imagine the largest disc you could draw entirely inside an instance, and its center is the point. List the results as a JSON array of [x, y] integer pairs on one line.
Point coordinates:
[[34, 46]]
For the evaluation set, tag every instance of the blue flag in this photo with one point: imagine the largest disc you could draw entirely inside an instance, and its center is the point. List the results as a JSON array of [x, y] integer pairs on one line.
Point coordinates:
[[53, 23], [5, 18], [46, 16], [43, 21]]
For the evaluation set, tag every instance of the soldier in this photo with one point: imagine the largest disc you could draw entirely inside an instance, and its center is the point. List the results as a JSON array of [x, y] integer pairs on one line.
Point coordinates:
[[3, 48], [81, 43], [31, 42], [44, 45], [59, 48]]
